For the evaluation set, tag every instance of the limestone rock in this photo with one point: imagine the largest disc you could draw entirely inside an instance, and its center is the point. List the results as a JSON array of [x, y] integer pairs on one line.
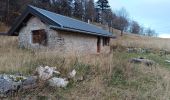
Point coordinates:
[[58, 82], [16, 85], [5, 86], [79, 78], [30, 82], [142, 60], [72, 74], [168, 61], [46, 72]]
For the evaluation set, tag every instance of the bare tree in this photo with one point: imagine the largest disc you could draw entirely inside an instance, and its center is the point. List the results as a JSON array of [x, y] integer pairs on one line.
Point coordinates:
[[7, 11], [142, 30], [135, 27], [150, 32], [121, 22]]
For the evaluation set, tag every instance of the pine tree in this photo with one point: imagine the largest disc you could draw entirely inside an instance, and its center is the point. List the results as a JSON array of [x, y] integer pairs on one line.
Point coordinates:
[[66, 7], [103, 5], [89, 10], [78, 9]]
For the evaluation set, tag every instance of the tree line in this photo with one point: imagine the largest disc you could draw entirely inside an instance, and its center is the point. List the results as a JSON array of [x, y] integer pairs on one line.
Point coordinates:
[[85, 10]]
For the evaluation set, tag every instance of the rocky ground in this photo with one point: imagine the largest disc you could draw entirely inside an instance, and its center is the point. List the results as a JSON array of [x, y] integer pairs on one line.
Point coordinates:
[[11, 84]]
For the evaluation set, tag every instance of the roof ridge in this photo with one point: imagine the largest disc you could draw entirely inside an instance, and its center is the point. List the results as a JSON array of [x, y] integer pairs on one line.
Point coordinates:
[[62, 16]]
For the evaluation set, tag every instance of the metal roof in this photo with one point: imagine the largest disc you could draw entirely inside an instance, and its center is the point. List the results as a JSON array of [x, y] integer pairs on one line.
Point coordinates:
[[57, 21]]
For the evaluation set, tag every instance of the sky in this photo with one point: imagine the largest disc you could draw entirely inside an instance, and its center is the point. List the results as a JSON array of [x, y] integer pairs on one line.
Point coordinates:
[[149, 13]]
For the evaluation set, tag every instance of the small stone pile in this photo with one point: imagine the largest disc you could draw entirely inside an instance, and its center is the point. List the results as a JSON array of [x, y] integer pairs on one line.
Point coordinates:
[[46, 74], [14, 83], [139, 50]]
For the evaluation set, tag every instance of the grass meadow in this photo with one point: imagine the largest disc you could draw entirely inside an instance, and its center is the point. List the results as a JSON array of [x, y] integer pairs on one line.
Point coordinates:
[[105, 76]]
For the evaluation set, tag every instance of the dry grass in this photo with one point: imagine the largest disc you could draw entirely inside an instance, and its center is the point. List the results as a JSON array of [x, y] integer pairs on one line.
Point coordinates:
[[106, 77], [132, 40]]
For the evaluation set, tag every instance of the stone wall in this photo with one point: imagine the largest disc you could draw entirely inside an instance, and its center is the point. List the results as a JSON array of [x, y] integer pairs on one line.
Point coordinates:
[[66, 42], [25, 34], [77, 43]]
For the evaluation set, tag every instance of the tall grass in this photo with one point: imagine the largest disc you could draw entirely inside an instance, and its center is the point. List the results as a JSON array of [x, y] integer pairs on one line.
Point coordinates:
[[105, 76], [131, 40]]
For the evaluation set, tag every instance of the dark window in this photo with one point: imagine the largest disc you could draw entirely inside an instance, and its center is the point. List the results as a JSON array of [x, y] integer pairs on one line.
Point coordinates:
[[106, 41], [39, 36]]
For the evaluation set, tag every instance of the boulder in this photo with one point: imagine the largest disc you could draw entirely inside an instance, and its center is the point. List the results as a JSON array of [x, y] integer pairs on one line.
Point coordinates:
[[58, 82], [16, 85], [30, 82], [142, 60], [5, 86], [14, 81], [46, 72]]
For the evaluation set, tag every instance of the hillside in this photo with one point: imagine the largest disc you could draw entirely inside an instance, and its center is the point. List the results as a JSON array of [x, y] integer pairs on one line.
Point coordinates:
[[105, 77], [132, 40]]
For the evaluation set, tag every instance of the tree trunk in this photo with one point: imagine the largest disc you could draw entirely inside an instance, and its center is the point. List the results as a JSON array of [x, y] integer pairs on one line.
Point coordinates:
[[121, 33], [7, 12]]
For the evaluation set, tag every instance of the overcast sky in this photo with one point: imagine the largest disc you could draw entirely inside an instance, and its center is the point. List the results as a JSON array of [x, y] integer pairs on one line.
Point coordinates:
[[149, 13]]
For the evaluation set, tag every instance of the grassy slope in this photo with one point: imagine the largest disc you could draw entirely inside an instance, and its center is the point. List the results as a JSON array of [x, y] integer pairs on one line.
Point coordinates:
[[105, 76]]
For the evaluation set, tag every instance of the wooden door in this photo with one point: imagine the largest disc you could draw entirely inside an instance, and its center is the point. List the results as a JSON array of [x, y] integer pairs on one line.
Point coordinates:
[[98, 44]]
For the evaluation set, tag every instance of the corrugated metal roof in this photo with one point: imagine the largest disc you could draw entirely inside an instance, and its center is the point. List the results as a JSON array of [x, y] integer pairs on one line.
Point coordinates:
[[72, 24], [57, 21]]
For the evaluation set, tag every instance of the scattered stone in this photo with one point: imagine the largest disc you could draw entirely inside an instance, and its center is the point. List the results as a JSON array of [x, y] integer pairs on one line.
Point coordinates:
[[168, 61], [72, 74], [46, 72], [57, 72], [79, 78], [30, 82], [16, 85], [142, 60], [5, 86], [17, 78], [164, 52], [11, 81], [138, 50], [58, 82], [131, 50], [6, 77]]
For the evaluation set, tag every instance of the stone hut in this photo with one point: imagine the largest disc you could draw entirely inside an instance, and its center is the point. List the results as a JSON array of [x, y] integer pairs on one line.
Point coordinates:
[[41, 29]]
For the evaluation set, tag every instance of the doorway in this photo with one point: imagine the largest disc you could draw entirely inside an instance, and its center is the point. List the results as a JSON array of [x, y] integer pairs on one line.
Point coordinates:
[[98, 44]]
